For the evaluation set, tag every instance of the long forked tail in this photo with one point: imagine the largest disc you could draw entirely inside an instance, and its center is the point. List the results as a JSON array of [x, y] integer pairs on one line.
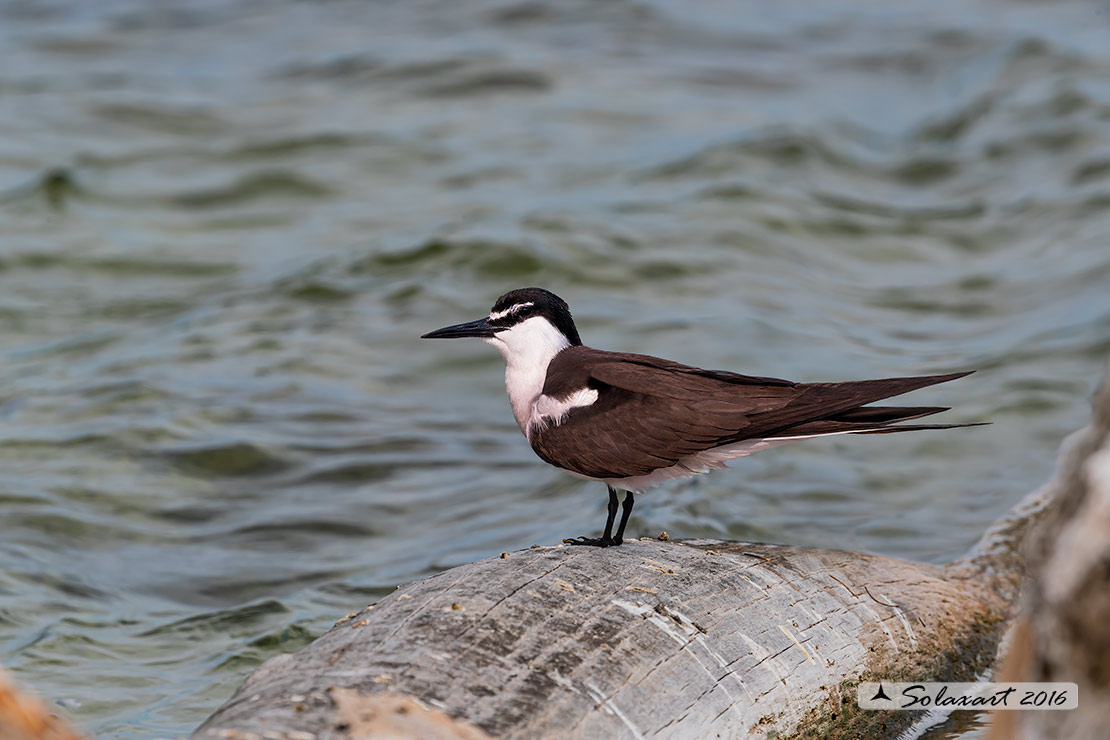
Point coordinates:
[[828, 426], [839, 408]]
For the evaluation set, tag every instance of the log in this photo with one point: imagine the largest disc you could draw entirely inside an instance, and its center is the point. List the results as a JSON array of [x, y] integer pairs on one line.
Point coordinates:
[[699, 638], [1063, 633]]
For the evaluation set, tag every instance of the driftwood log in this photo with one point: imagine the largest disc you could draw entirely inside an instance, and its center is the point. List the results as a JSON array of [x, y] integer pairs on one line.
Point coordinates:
[[1063, 633], [652, 639]]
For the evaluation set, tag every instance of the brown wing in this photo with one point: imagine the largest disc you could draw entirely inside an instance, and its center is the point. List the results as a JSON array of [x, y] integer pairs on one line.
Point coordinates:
[[624, 434], [637, 370], [651, 413]]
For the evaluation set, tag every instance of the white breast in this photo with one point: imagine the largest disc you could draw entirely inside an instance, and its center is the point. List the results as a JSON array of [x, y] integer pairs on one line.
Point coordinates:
[[528, 349]]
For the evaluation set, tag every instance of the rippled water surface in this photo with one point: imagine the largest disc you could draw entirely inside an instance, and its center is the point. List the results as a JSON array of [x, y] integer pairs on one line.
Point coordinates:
[[226, 223]]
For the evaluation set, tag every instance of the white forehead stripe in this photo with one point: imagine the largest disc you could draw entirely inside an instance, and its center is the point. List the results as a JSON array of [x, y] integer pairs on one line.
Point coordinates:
[[495, 315]]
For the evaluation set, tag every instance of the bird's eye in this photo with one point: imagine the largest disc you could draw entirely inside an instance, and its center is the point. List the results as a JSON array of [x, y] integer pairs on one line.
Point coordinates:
[[524, 311]]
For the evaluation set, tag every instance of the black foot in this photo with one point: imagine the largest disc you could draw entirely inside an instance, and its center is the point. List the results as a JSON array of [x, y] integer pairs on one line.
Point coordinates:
[[594, 541]]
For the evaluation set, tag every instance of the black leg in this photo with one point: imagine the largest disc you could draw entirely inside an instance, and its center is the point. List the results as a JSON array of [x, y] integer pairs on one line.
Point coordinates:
[[626, 510], [612, 514], [607, 539]]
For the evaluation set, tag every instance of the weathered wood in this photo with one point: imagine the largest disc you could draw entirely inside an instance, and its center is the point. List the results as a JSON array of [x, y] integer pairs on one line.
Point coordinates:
[[678, 639], [1064, 631]]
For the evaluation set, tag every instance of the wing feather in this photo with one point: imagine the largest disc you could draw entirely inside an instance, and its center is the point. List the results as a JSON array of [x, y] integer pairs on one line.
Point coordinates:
[[652, 413]]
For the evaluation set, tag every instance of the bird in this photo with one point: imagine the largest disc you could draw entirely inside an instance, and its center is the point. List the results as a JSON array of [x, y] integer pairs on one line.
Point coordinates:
[[633, 421]]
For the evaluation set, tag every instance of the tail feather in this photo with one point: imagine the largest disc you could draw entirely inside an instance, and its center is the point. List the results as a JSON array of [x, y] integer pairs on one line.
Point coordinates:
[[827, 427], [840, 397], [920, 427], [844, 403], [887, 414]]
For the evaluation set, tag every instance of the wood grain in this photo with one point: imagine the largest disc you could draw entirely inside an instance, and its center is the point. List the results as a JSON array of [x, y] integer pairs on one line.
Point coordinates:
[[651, 639]]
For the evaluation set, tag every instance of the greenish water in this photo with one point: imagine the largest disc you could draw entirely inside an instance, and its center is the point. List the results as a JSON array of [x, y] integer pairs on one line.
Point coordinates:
[[225, 224]]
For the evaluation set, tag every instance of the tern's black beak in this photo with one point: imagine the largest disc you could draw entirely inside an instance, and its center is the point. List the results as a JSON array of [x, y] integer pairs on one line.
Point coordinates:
[[479, 328]]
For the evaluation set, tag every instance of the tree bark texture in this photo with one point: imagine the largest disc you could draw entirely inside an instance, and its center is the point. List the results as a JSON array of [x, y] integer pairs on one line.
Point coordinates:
[[1063, 633], [651, 639]]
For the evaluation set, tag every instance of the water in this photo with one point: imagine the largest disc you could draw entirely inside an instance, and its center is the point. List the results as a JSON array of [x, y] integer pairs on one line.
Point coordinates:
[[225, 224]]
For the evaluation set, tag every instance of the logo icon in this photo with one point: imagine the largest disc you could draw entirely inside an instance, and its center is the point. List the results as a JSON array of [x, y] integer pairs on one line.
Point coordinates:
[[880, 694]]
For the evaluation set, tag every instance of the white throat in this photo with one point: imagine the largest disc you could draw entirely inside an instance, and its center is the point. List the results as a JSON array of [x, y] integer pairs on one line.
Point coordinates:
[[528, 349]]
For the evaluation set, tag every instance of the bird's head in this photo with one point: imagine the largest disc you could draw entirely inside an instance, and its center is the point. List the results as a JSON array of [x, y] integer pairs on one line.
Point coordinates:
[[524, 324]]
